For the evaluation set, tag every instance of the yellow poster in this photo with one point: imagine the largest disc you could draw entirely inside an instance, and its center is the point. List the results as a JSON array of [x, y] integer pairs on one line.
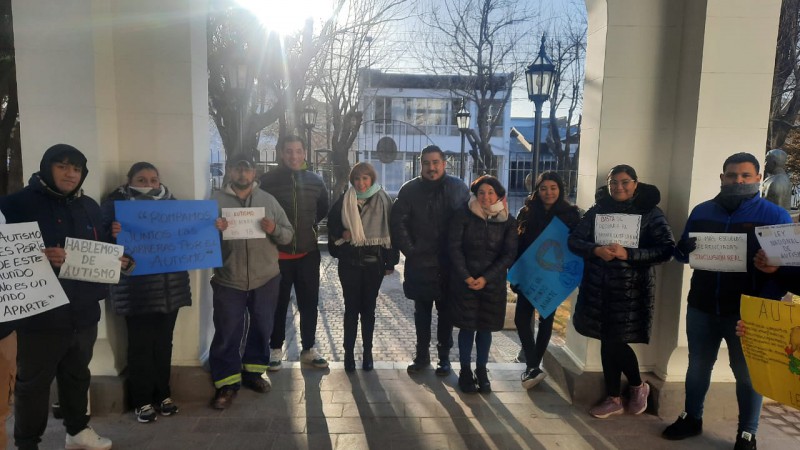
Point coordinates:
[[771, 347]]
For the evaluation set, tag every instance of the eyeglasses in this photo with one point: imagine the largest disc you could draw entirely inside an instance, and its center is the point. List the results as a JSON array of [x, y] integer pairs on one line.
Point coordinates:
[[623, 183]]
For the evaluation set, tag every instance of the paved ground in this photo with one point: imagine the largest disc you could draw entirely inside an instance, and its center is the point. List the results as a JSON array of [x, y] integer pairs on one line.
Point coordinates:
[[388, 409]]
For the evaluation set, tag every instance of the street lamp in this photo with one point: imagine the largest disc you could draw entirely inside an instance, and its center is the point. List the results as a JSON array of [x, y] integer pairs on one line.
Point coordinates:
[[309, 120], [462, 120], [539, 78]]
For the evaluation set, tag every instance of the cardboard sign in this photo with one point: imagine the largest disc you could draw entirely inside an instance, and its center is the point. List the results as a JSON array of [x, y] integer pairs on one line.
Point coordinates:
[[91, 261], [169, 235], [771, 346], [28, 284], [781, 243], [243, 223], [547, 272], [719, 252], [622, 229]]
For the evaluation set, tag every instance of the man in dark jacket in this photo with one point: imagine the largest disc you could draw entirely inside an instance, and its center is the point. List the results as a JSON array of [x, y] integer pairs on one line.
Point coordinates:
[[419, 223], [304, 197], [714, 296], [58, 343]]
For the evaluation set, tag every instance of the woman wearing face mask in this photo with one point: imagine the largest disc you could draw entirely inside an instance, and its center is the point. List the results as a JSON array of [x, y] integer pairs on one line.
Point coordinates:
[[482, 245], [358, 236], [150, 305], [546, 202], [615, 300]]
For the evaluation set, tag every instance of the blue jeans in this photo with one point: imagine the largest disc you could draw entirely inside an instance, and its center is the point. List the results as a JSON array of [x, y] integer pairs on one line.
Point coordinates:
[[705, 333], [482, 340]]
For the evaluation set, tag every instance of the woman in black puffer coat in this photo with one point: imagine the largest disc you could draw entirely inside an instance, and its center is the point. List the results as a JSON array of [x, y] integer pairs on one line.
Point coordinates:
[[150, 305], [482, 245], [616, 296]]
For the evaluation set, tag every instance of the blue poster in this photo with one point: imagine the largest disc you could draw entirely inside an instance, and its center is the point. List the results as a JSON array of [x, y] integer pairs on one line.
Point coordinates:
[[169, 236], [547, 272]]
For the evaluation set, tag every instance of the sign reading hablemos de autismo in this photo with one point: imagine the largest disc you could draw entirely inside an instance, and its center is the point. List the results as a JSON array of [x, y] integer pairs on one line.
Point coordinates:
[[781, 243], [719, 252], [243, 223], [91, 261], [28, 285], [622, 229]]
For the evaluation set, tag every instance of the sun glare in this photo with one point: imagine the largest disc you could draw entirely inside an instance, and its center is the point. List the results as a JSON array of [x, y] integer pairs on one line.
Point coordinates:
[[288, 16]]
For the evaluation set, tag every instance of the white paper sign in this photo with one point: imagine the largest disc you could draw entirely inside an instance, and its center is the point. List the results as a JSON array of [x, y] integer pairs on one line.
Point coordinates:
[[28, 285], [622, 229], [719, 252], [781, 243], [91, 261], [243, 223]]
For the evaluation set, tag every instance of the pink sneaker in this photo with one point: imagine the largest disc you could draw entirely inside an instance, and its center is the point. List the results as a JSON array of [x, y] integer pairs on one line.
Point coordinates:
[[638, 401], [609, 407]]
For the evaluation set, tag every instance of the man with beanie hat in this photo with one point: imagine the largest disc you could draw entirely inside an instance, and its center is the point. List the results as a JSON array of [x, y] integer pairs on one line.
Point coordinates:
[[58, 343], [714, 296]]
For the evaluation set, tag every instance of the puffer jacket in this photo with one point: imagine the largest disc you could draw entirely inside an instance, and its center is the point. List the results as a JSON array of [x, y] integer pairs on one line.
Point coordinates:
[[304, 198], [357, 256], [616, 298], [480, 248], [144, 294], [532, 219], [419, 221]]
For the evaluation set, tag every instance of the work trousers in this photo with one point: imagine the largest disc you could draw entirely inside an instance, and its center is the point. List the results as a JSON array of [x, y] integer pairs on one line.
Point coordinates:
[[360, 286], [534, 349], [42, 356], [233, 309], [303, 274], [149, 357]]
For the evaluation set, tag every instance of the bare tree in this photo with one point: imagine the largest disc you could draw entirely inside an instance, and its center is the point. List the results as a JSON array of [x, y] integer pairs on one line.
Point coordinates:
[[785, 102], [479, 40], [10, 148]]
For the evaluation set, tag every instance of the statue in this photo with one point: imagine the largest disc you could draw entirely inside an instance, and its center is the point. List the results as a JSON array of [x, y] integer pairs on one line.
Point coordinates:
[[776, 186]]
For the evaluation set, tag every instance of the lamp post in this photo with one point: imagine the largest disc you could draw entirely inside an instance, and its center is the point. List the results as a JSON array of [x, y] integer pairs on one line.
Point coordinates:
[[240, 80], [462, 120], [309, 120], [539, 78]]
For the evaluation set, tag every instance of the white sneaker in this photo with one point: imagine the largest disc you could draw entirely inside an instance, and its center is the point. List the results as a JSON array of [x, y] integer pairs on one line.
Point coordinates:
[[87, 440], [275, 357], [312, 357]]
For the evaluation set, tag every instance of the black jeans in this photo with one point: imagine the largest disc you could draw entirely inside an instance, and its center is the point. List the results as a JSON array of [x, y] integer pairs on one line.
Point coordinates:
[[41, 357], [360, 286], [423, 316], [534, 348], [149, 357], [303, 274], [618, 358]]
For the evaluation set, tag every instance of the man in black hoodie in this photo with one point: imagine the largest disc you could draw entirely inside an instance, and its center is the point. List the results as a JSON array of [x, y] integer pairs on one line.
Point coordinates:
[[58, 343]]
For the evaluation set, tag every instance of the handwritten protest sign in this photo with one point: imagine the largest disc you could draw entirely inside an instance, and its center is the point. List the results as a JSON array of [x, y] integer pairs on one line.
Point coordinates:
[[719, 252], [243, 223], [781, 243], [771, 346], [547, 272], [169, 236], [91, 261], [622, 229], [28, 285]]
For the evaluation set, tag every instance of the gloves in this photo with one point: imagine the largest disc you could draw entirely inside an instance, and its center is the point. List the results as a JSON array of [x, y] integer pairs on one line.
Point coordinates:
[[686, 246]]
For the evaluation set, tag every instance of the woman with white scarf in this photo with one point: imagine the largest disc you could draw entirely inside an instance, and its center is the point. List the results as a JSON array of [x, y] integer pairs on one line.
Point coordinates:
[[358, 236], [482, 246]]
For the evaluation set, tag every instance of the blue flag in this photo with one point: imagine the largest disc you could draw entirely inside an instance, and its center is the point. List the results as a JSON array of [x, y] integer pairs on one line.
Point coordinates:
[[547, 272], [170, 235]]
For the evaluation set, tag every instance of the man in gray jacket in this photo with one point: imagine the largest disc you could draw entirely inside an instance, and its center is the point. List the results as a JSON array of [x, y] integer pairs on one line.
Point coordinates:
[[247, 281]]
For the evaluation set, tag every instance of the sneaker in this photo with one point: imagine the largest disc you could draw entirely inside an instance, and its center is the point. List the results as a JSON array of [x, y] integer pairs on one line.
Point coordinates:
[[223, 398], [275, 357], [313, 358], [683, 428], [145, 414], [87, 440], [745, 441], [466, 382], [257, 382], [611, 406], [638, 399], [532, 377], [167, 408]]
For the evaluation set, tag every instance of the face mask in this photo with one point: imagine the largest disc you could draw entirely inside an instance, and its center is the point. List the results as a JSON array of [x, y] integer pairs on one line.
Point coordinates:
[[145, 190]]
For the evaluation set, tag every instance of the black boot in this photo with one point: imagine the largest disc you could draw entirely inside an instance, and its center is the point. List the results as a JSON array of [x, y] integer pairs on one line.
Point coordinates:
[[466, 382], [482, 374], [421, 360], [443, 368], [349, 361], [367, 364]]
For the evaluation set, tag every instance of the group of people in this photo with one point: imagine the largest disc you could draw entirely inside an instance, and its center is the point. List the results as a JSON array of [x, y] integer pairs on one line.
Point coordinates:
[[458, 242]]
